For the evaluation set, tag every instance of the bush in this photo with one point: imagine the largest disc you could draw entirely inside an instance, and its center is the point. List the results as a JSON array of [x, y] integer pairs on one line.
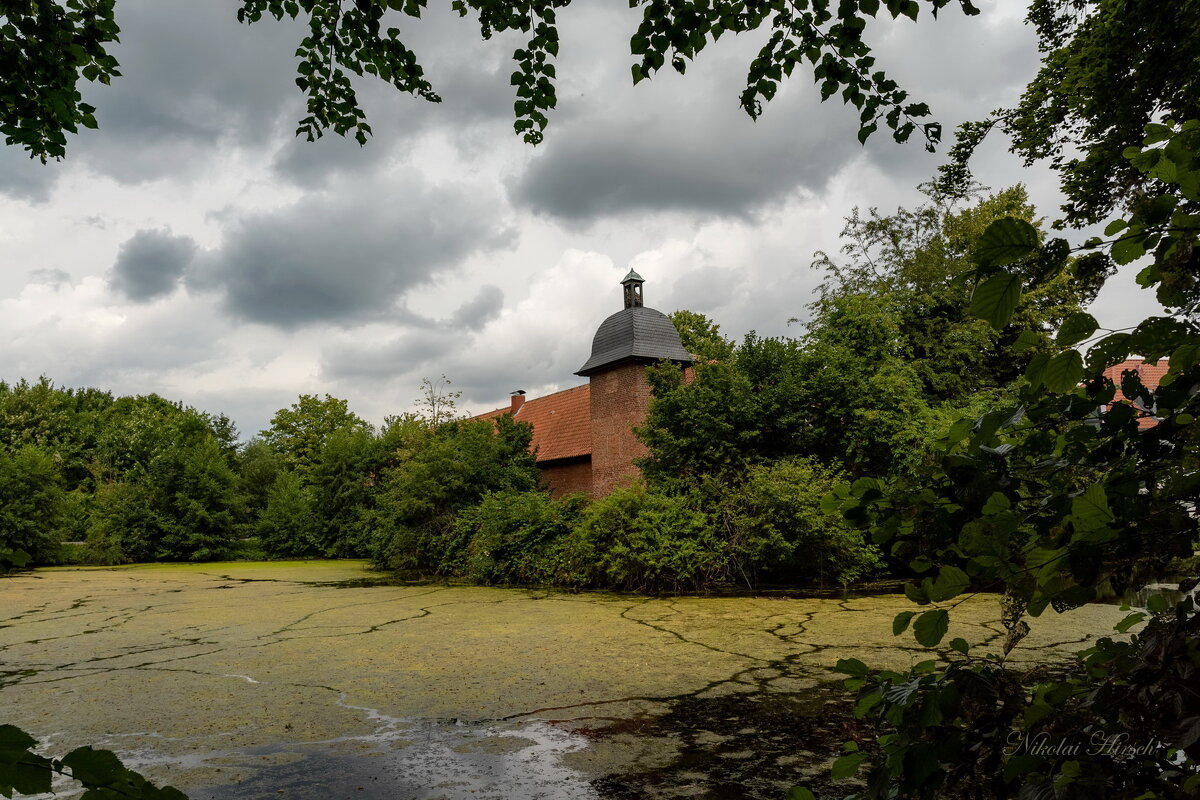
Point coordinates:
[[182, 507], [454, 469], [778, 531], [643, 541], [514, 537], [31, 503], [290, 526]]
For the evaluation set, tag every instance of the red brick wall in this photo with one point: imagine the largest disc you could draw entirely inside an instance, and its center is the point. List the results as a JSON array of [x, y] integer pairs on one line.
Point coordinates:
[[620, 398], [568, 477]]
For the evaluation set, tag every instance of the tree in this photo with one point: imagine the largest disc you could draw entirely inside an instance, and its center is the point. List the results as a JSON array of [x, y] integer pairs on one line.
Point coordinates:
[[1053, 502], [31, 506], [438, 402], [48, 46], [1109, 68], [701, 336], [299, 433], [455, 467], [891, 356]]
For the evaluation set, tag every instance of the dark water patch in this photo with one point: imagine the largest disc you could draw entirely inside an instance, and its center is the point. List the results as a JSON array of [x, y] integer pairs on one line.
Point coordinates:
[[742, 746], [402, 760]]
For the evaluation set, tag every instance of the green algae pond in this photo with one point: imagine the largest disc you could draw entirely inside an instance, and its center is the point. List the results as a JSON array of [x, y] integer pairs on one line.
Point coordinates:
[[325, 680]]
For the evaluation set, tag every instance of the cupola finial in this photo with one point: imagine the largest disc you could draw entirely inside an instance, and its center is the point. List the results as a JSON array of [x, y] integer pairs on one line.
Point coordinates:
[[633, 289]]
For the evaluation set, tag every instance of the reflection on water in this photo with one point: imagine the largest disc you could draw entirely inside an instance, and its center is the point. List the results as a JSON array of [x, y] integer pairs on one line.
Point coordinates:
[[403, 758]]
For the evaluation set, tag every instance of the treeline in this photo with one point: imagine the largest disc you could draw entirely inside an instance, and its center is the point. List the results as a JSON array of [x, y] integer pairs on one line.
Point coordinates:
[[745, 454], [741, 456], [89, 477]]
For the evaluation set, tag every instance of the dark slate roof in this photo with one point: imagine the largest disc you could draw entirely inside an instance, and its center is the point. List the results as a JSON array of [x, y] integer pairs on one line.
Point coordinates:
[[635, 334]]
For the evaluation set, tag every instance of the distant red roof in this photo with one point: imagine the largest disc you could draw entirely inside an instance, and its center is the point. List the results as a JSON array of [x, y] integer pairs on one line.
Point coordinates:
[[562, 423], [1150, 374]]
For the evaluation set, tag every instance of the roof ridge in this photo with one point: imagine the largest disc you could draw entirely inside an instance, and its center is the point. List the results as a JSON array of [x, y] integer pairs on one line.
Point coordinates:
[[508, 409]]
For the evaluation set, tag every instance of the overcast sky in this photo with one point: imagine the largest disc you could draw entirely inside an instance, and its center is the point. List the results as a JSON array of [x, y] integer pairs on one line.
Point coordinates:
[[193, 247]]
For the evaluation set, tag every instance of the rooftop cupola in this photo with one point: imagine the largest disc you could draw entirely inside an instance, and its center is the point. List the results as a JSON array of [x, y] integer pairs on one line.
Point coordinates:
[[634, 334], [633, 289]]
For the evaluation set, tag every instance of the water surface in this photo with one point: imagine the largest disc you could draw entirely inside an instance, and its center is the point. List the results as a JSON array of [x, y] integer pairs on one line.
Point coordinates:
[[325, 680]]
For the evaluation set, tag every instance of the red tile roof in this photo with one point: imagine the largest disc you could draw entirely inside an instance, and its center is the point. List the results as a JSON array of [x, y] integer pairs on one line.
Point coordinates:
[[1150, 374], [562, 423]]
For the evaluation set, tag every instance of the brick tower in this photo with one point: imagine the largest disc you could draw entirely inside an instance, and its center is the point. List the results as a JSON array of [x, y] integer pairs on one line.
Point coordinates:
[[624, 345]]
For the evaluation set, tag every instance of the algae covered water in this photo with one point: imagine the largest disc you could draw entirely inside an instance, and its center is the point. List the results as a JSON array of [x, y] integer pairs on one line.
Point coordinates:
[[326, 680]]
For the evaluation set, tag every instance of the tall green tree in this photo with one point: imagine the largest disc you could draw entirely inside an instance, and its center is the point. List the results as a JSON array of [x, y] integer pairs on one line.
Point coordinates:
[[1052, 500], [31, 505], [299, 433]]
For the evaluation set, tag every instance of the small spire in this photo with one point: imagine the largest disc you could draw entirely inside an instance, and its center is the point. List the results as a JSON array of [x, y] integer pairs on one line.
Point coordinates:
[[633, 289]]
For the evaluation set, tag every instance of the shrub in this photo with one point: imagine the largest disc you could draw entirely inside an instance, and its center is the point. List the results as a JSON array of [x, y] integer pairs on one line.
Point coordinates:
[[459, 464], [515, 537], [778, 531], [290, 526], [31, 503], [645, 541], [182, 507]]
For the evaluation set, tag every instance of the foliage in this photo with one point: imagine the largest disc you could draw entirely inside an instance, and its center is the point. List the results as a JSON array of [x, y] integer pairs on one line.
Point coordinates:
[[1054, 502], [179, 507], [31, 506], [99, 773], [645, 541], [46, 49], [701, 337], [458, 464], [891, 355], [516, 537], [60, 420], [290, 525], [258, 467], [778, 531], [298, 433], [1109, 67]]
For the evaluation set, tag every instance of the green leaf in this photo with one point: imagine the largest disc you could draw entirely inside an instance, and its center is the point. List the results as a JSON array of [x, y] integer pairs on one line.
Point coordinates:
[[94, 767], [1026, 341], [951, 581], [852, 666], [995, 504], [847, 765], [916, 593], [1076, 328], [14, 741], [1063, 372], [1005, 241], [900, 622], [1157, 604], [930, 628], [1090, 509], [800, 793], [1133, 619], [960, 644], [996, 298]]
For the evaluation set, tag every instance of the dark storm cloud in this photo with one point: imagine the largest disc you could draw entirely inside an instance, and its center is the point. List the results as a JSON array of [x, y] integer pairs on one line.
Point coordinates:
[[150, 264], [480, 310], [682, 145], [407, 353], [425, 342], [194, 81], [345, 257]]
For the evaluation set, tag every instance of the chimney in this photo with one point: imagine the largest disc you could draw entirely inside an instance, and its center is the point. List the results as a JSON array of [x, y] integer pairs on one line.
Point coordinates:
[[518, 398]]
